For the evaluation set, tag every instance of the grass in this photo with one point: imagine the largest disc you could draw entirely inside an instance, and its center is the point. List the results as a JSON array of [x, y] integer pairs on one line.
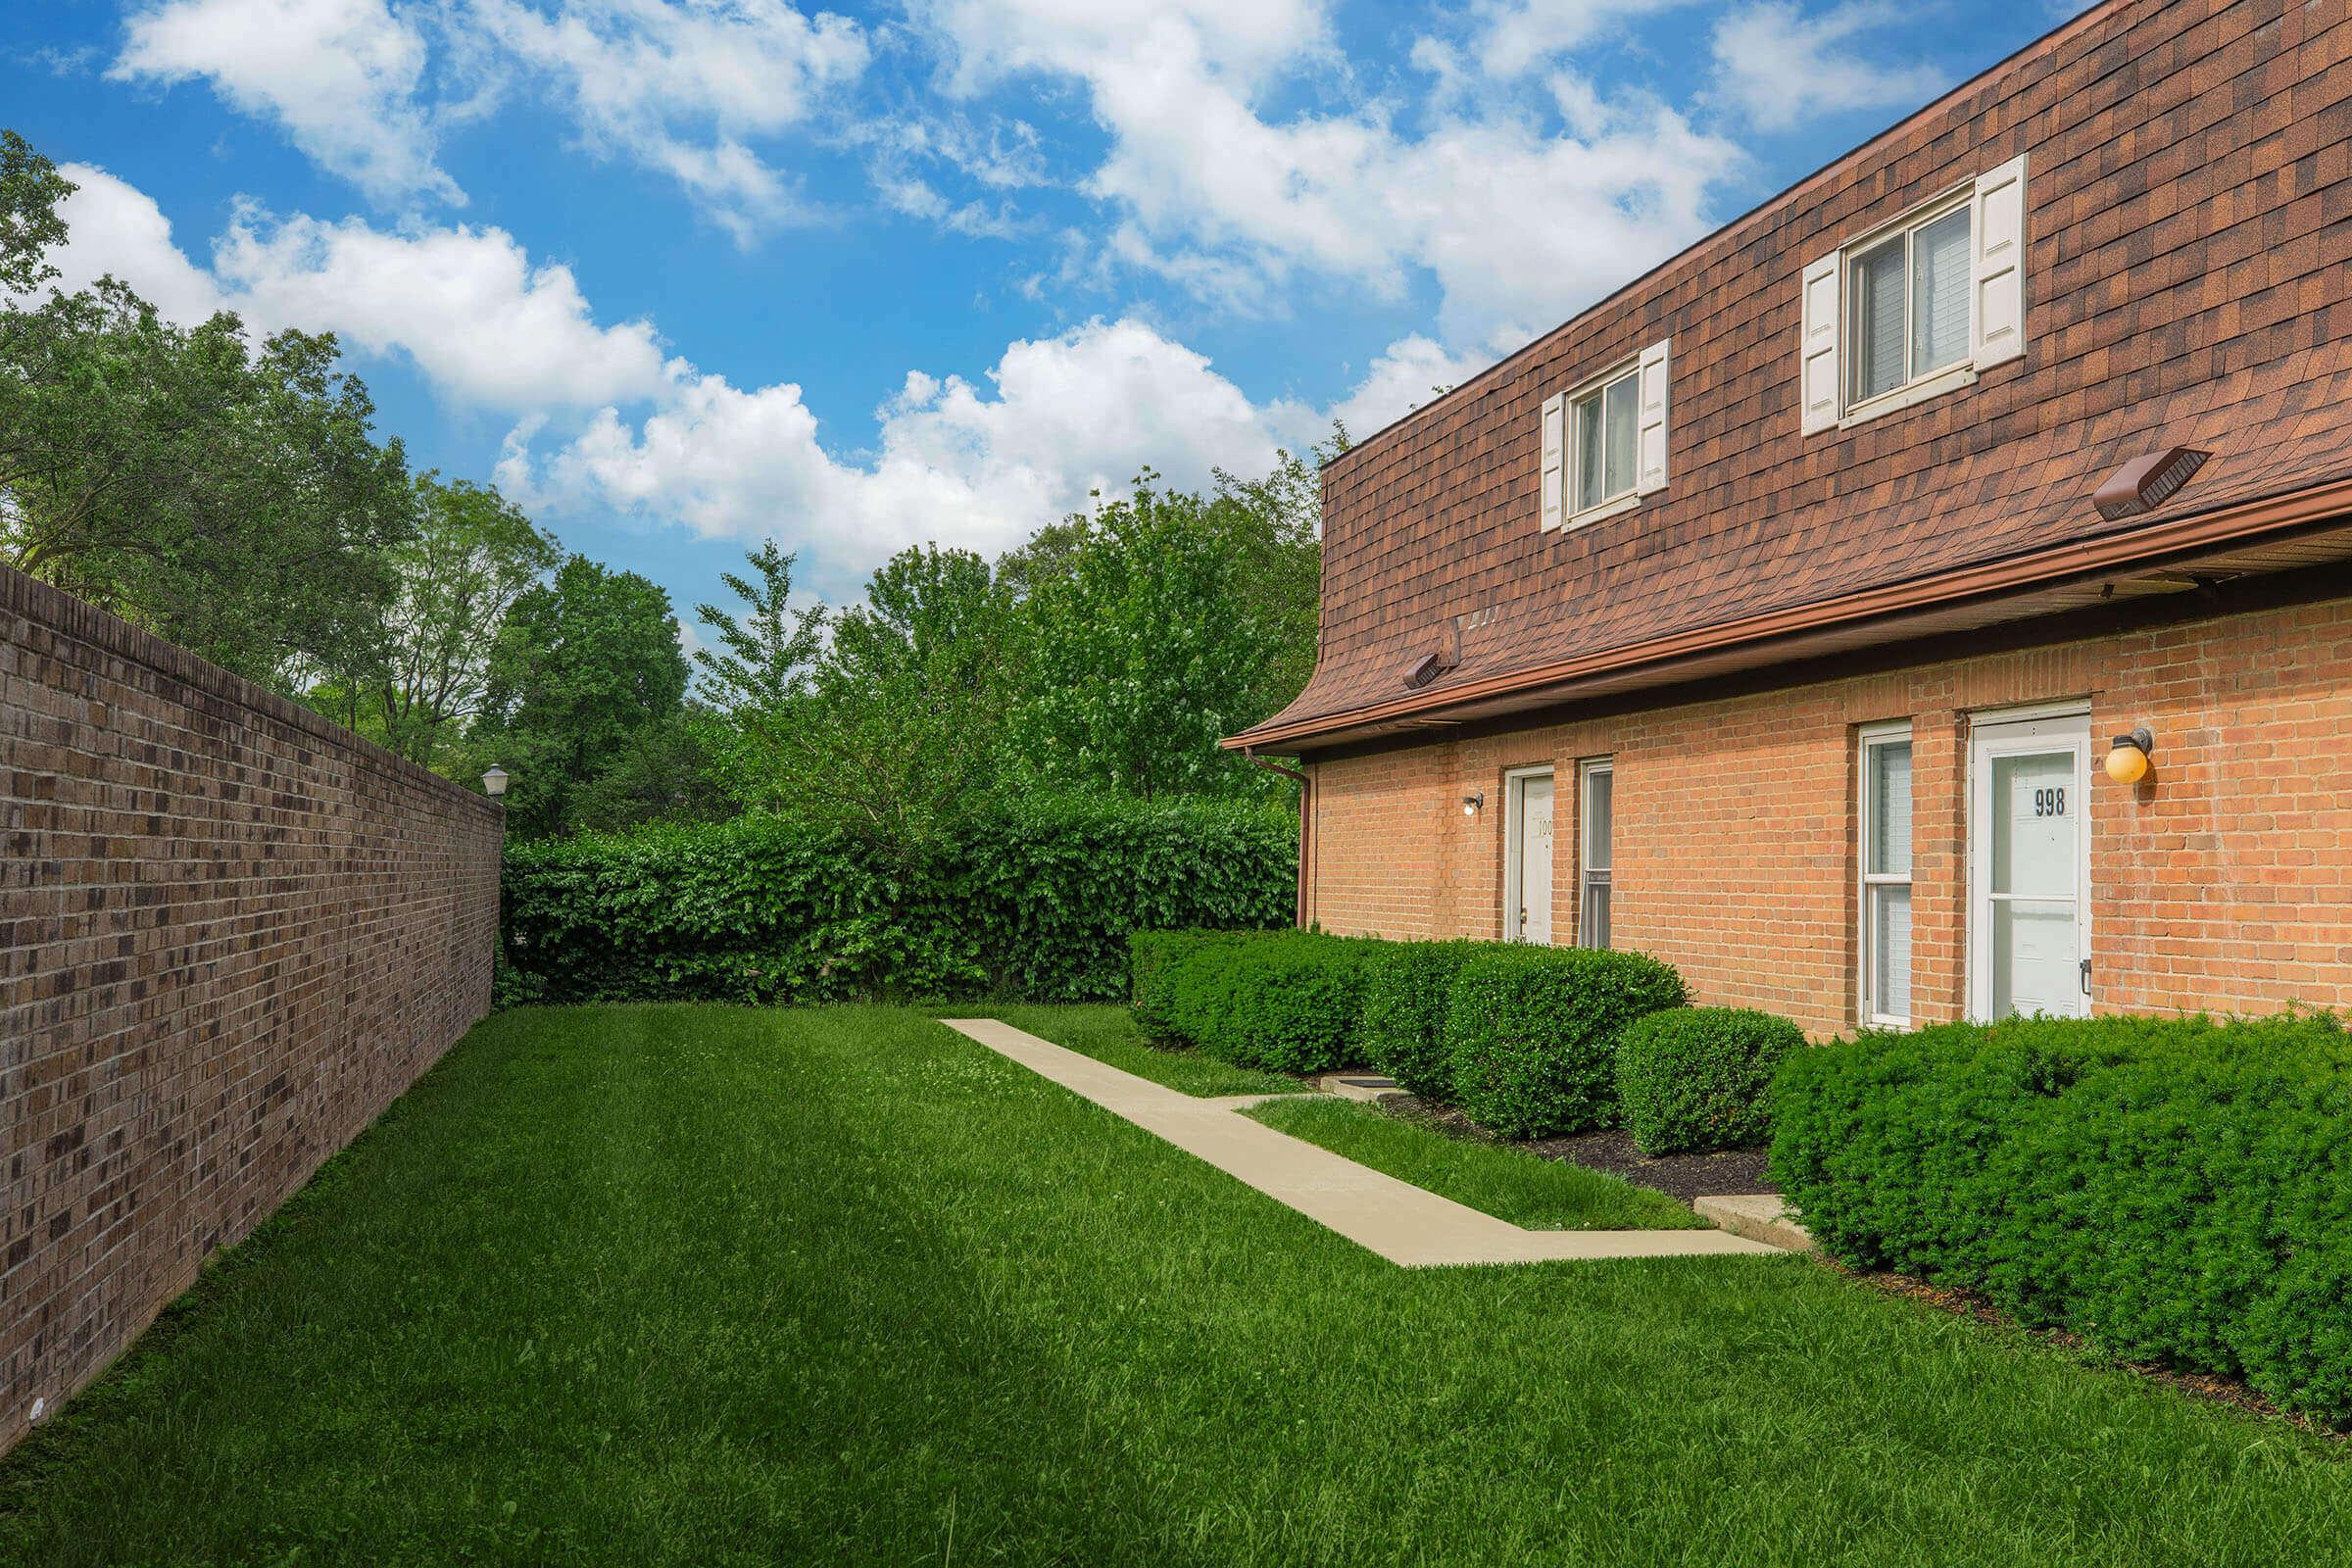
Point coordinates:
[[1529, 1191], [698, 1284], [1108, 1033]]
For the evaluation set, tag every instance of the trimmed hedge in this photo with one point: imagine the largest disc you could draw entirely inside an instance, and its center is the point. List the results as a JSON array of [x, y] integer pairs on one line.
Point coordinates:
[[1405, 988], [1694, 1078], [1035, 901], [1532, 1033], [1289, 1000], [2171, 1190]]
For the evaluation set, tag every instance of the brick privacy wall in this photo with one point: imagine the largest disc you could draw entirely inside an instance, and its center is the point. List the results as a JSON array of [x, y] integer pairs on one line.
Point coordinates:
[[2223, 882], [234, 933]]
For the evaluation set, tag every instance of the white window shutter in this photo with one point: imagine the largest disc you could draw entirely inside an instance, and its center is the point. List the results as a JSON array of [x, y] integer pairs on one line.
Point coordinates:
[[1555, 410], [1998, 233], [1651, 420], [1819, 383]]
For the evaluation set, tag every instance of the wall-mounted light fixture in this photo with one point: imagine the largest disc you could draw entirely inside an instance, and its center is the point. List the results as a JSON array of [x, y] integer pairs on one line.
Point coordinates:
[[2127, 756], [494, 782], [1472, 802]]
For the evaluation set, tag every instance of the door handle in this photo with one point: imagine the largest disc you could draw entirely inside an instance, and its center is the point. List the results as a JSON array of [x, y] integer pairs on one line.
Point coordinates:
[[2085, 977]]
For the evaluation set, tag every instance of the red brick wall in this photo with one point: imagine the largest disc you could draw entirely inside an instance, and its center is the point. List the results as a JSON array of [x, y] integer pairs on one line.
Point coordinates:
[[232, 933], [2224, 881]]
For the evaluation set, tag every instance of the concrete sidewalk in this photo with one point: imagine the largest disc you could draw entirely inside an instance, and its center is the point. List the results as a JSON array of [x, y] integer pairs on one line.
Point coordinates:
[[1403, 1223]]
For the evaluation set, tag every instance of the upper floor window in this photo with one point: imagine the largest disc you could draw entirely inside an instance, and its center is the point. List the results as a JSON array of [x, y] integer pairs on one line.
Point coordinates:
[[1603, 422], [1918, 308], [1910, 309], [1604, 441]]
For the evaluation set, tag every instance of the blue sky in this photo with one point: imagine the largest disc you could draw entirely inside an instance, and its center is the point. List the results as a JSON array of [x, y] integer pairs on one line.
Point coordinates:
[[683, 277]]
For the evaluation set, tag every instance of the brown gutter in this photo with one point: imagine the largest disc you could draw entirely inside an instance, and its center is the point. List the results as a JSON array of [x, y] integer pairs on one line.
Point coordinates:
[[2225, 525], [1307, 837]]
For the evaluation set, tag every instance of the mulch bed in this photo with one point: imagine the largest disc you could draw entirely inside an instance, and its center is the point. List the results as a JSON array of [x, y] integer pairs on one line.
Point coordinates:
[[1683, 1177]]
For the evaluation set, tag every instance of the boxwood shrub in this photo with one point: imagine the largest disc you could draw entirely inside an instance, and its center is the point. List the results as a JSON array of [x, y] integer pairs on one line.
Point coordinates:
[[2173, 1190], [1033, 899], [1405, 988], [1693, 1078], [1292, 1000], [1532, 1033]]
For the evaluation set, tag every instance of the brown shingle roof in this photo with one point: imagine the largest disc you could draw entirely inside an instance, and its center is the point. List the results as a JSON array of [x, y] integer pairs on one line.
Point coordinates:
[[2189, 281]]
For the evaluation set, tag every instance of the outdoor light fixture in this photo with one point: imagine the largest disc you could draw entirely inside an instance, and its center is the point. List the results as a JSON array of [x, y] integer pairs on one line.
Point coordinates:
[[2127, 758], [494, 782], [1472, 802]]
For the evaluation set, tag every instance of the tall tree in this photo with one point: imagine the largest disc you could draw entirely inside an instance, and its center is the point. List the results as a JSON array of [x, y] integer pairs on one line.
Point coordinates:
[[472, 555], [1147, 650], [584, 663], [231, 498], [30, 192], [755, 673]]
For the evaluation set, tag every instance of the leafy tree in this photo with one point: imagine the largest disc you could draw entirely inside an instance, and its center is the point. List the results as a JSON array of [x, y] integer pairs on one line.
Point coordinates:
[[665, 771], [757, 675], [584, 663], [1166, 621], [472, 555], [30, 190], [912, 695], [231, 498]]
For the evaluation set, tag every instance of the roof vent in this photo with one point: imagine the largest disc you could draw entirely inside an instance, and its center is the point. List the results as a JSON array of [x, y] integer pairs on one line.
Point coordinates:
[[1429, 667], [2147, 482]]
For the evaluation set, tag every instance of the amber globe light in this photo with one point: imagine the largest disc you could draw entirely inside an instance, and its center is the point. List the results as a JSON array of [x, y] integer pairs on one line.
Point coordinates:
[[2128, 756]]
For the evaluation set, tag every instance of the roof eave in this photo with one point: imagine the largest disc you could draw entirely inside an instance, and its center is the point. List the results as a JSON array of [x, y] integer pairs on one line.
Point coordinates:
[[2224, 526]]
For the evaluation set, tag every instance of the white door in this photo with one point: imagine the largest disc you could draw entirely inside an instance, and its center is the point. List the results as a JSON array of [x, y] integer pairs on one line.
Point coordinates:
[[1527, 860], [2030, 867]]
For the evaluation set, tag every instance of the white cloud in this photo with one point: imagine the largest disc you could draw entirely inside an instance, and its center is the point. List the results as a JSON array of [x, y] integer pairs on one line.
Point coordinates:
[[1519, 224], [115, 228], [976, 463], [966, 465], [1778, 68], [1512, 38], [684, 88], [466, 305], [340, 75]]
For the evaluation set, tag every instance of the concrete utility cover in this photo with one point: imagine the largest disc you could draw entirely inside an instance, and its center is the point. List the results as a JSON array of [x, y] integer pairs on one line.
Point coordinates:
[[1401, 1222]]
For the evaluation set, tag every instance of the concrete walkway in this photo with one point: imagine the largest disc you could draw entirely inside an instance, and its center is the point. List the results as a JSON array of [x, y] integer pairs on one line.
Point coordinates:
[[1400, 1222]]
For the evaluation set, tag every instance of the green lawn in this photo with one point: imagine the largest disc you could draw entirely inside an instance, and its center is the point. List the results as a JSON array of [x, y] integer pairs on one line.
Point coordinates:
[[1108, 1033], [701, 1286], [1510, 1184]]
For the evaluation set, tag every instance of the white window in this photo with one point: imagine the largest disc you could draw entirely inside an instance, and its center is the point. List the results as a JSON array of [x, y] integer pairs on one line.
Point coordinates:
[[1909, 316], [1886, 874], [1595, 818], [1601, 424], [1918, 308], [1604, 443]]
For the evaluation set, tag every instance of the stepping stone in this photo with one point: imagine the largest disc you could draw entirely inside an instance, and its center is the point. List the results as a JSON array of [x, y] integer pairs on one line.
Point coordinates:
[[1368, 1087], [1758, 1216]]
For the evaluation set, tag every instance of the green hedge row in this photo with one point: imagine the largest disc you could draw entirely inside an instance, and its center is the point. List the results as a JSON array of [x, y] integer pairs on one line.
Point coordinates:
[[1033, 901], [2171, 1190], [1522, 1038]]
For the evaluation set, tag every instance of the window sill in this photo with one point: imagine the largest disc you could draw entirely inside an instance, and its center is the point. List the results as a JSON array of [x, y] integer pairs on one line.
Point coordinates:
[[1601, 513], [1918, 392]]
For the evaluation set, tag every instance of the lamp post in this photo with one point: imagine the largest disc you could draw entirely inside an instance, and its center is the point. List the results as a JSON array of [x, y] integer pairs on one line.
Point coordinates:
[[494, 782]]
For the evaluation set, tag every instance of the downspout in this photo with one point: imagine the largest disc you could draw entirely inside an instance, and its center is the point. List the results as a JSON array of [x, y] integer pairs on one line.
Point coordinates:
[[1307, 836]]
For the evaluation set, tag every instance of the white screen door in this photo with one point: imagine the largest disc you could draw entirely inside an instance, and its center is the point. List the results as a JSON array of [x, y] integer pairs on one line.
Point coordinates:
[[1527, 859], [2028, 867]]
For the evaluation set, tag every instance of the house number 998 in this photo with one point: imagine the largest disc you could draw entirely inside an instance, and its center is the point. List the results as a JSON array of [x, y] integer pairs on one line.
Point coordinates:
[[2050, 803]]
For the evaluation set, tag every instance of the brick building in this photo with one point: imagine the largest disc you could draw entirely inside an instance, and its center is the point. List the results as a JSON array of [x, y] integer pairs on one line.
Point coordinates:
[[1780, 613]]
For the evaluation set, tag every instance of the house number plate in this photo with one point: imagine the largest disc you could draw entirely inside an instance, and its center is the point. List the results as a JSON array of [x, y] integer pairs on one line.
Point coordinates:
[[2050, 801]]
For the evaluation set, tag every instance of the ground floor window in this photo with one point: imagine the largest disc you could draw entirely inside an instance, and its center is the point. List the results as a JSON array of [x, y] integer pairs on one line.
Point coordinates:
[[1597, 816], [1886, 872]]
